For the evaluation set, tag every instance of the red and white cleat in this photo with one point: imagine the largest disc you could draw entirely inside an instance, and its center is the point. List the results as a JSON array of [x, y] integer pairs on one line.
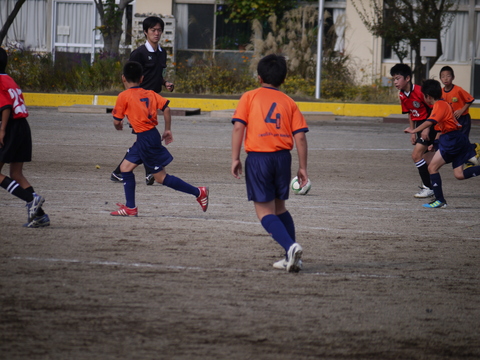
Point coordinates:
[[203, 198], [124, 211]]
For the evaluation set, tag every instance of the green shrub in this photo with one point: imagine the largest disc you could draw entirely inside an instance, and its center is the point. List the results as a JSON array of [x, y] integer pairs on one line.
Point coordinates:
[[212, 77], [39, 73], [36, 72]]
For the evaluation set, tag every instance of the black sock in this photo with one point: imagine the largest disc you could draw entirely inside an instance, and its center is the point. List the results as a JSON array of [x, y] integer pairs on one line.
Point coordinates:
[[15, 189], [424, 174]]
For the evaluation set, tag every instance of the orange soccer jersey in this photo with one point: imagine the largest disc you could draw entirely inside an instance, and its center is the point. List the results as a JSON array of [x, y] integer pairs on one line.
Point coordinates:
[[442, 116], [140, 106], [457, 98], [271, 118]]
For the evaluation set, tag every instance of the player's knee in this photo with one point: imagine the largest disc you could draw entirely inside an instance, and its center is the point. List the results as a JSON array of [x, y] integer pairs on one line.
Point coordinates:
[[433, 168]]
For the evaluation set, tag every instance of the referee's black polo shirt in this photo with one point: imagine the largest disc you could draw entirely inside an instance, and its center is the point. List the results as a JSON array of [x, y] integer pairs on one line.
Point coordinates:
[[153, 63]]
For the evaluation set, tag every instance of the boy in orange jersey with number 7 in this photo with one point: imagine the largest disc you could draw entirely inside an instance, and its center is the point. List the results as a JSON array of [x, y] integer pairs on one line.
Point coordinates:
[[140, 107], [271, 123]]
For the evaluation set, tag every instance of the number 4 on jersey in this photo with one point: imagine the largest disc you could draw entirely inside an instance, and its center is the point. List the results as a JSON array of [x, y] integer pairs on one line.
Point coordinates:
[[271, 120]]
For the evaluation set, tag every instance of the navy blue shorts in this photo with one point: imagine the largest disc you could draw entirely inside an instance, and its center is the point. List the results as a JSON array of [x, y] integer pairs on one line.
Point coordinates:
[[17, 142], [432, 134], [455, 148], [267, 175], [148, 149], [466, 122]]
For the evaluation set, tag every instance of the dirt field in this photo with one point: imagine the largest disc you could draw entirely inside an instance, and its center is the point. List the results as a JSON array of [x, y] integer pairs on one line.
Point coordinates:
[[383, 278]]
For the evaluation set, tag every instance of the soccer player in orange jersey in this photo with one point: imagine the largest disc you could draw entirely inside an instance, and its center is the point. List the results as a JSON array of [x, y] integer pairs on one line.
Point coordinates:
[[453, 145], [271, 123], [459, 99], [140, 107]]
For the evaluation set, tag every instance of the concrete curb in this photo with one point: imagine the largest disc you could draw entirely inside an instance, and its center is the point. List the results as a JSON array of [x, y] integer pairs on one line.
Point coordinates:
[[207, 105]]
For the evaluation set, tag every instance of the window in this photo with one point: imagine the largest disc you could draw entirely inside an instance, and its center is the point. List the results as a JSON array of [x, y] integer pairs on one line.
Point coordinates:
[[198, 26], [454, 42]]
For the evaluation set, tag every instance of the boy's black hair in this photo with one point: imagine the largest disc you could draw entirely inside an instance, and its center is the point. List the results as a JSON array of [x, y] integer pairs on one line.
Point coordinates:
[[3, 60], [447, 68], [133, 72], [432, 88], [272, 69], [151, 21], [401, 69]]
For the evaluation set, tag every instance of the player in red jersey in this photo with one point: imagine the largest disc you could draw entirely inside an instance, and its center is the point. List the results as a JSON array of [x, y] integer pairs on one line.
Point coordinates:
[[413, 104], [453, 145], [271, 123], [16, 146], [140, 107]]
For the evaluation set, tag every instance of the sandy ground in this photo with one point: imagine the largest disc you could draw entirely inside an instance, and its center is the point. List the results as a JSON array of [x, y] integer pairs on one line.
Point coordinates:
[[383, 278]]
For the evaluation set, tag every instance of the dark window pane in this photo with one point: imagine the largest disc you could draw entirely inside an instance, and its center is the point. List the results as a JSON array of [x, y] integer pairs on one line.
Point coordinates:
[[200, 26], [231, 36]]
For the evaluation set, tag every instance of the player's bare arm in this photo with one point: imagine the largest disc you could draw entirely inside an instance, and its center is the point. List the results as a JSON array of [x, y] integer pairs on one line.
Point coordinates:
[[167, 133], [425, 135], [237, 138], [422, 127], [413, 138], [118, 124], [302, 151], [3, 124], [459, 112]]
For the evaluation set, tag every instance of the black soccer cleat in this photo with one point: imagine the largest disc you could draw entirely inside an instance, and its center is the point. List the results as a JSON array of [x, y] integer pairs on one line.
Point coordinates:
[[116, 177]]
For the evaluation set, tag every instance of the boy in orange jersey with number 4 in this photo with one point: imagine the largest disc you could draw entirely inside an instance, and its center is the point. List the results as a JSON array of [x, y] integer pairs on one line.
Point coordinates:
[[140, 107], [271, 123]]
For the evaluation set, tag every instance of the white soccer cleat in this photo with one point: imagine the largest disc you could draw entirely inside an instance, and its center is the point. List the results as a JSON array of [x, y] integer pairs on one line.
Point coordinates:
[[474, 161], [282, 264], [424, 192], [294, 255]]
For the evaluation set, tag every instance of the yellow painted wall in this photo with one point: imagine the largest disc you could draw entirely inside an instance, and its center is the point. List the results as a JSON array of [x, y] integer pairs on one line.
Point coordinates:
[[339, 109]]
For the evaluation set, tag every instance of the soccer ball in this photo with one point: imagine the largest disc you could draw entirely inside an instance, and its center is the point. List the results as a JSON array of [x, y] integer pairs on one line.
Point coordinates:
[[297, 190]]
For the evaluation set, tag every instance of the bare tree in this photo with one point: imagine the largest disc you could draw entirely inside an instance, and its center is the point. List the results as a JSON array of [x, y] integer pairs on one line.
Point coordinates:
[[111, 16], [10, 19], [405, 22]]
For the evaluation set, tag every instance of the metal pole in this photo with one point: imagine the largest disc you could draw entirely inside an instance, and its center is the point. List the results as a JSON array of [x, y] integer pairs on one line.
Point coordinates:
[[319, 48], [427, 73]]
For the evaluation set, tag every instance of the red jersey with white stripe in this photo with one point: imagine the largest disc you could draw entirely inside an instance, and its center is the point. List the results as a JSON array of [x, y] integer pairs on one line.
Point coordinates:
[[457, 98], [442, 116], [11, 97], [414, 103], [271, 118], [140, 107]]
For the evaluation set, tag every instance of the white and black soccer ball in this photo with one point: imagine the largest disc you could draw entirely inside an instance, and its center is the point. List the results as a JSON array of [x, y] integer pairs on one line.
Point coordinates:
[[297, 190]]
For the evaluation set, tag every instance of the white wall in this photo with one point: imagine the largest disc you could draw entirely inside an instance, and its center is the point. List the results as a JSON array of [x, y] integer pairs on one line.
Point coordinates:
[[366, 52], [163, 7]]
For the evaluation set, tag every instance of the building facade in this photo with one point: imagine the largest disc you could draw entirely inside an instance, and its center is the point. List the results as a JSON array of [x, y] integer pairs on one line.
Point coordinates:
[[195, 28]]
